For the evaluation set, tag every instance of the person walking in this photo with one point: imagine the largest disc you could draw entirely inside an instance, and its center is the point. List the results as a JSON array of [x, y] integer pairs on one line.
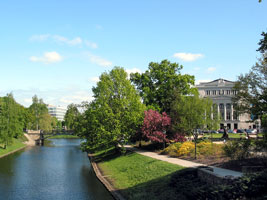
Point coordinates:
[[225, 135]]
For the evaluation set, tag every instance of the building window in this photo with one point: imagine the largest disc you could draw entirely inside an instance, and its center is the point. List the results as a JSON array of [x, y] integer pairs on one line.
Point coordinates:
[[228, 92], [221, 106], [208, 92], [213, 92]]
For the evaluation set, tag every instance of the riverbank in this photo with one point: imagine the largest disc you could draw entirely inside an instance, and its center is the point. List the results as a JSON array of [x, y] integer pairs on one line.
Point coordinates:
[[16, 145], [64, 137], [134, 176]]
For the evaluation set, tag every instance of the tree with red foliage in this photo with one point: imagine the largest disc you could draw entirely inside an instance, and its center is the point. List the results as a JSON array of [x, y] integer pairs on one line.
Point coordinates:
[[156, 126]]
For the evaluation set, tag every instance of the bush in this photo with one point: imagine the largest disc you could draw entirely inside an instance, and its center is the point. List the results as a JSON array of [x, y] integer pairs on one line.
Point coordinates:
[[237, 149], [204, 148]]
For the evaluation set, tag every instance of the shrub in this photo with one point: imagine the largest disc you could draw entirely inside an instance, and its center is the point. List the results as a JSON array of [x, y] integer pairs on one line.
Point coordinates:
[[237, 149], [186, 149]]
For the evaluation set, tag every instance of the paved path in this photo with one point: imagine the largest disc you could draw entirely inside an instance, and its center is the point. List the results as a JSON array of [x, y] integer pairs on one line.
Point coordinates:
[[30, 141], [219, 171]]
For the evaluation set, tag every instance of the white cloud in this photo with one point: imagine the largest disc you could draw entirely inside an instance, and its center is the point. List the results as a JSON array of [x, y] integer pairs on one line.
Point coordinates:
[[94, 79], [98, 60], [73, 42], [90, 44], [188, 56], [64, 40], [211, 69], [197, 68], [40, 37], [48, 57]]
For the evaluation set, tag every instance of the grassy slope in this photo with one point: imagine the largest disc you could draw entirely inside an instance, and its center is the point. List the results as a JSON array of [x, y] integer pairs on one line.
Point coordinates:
[[64, 137], [140, 177], [17, 143]]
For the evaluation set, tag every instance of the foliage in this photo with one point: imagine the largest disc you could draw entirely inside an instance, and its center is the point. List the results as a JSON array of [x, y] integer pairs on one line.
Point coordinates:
[[263, 43], [40, 119], [71, 116], [116, 113], [186, 149], [192, 112], [155, 126], [11, 119], [238, 149], [250, 186], [158, 83]]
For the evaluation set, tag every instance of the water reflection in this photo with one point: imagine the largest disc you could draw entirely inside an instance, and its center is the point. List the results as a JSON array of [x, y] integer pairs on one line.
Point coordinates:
[[57, 171]]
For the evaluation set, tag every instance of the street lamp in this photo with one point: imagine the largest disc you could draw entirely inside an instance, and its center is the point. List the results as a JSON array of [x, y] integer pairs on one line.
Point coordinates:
[[195, 133]]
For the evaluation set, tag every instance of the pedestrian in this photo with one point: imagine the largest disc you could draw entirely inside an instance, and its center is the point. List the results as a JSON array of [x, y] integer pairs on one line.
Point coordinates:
[[225, 135]]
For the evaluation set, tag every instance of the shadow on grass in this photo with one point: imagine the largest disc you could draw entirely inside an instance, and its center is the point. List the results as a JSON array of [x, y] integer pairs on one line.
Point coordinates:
[[110, 154], [177, 185]]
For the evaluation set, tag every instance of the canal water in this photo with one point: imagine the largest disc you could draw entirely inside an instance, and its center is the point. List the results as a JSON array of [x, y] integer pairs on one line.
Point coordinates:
[[58, 171]]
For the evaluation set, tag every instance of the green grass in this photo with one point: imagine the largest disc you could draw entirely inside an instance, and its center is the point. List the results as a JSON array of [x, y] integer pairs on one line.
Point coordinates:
[[137, 176], [16, 144], [64, 137], [219, 135]]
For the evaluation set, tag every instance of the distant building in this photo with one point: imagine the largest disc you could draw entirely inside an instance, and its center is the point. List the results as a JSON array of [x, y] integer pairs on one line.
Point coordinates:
[[57, 111], [221, 92]]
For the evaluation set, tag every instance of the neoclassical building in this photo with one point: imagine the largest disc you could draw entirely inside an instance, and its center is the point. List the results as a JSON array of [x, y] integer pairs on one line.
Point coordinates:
[[221, 92]]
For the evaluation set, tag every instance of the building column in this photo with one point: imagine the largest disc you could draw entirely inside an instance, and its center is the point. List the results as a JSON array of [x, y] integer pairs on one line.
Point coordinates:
[[232, 112], [224, 111], [218, 107]]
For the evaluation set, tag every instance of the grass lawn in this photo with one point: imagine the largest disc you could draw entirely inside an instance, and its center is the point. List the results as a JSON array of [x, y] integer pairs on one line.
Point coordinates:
[[219, 135], [17, 143], [64, 137], [137, 176]]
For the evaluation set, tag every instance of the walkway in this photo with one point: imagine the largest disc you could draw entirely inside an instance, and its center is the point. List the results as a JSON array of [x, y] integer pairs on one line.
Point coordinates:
[[216, 170], [30, 141]]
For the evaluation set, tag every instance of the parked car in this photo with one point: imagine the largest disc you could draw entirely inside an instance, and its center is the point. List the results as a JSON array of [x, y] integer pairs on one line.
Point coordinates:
[[230, 131], [213, 131], [221, 131], [240, 131], [252, 131]]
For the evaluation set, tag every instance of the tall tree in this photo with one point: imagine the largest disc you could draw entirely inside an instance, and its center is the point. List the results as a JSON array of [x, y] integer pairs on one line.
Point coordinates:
[[71, 116], [158, 83], [116, 112], [252, 90], [192, 112], [11, 124], [37, 109]]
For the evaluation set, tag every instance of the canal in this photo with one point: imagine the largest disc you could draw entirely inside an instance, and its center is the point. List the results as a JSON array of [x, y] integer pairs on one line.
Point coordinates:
[[56, 171]]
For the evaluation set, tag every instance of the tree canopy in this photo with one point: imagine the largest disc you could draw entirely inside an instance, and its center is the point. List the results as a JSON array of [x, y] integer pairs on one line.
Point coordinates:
[[115, 114], [158, 84], [71, 116], [192, 112]]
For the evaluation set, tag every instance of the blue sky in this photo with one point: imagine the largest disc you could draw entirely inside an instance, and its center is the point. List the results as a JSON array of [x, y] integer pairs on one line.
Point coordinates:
[[57, 49]]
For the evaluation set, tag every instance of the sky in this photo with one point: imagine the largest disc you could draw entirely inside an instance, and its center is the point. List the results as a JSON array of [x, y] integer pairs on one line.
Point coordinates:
[[58, 49]]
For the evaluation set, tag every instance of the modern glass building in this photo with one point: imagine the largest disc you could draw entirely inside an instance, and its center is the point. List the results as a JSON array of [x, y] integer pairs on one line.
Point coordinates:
[[57, 111]]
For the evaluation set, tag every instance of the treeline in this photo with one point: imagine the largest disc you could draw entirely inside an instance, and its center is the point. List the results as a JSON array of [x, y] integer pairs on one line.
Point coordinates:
[[117, 113], [15, 118]]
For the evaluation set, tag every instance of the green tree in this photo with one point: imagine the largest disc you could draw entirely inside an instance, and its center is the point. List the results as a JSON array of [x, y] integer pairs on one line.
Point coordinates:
[[158, 83], [192, 112], [252, 90], [116, 112], [38, 109], [71, 116], [11, 124]]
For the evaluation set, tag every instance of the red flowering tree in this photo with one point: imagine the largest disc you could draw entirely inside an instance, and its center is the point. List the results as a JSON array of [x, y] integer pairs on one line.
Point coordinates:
[[156, 126]]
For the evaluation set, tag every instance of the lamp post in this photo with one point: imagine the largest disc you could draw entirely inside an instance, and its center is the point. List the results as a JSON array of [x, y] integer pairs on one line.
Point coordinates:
[[195, 133]]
